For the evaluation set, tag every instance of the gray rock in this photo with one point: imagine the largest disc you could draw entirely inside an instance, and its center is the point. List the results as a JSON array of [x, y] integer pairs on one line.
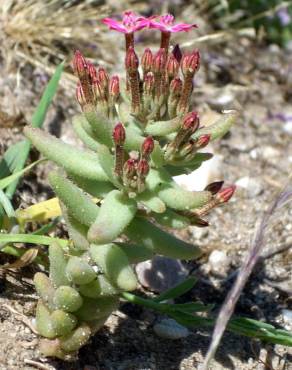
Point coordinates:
[[170, 329], [160, 273]]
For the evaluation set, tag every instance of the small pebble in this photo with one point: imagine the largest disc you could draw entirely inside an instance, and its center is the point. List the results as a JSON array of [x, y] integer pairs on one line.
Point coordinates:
[[287, 318], [219, 263], [170, 329], [160, 273]]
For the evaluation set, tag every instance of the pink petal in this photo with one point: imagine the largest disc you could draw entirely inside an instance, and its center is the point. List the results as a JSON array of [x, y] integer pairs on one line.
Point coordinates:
[[182, 27], [158, 26], [114, 25]]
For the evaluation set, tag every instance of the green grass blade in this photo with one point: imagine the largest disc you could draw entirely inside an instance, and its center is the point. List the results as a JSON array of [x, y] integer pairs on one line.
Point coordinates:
[[30, 238], [15, 176], [6, 205], [177, 291]]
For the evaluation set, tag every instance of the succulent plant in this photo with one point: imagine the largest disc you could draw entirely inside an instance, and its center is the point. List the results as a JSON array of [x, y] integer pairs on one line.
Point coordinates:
[[117, 194]]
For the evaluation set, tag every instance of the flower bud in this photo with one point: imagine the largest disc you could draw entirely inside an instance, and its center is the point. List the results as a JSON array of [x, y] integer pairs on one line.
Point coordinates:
[[131, 61], [147, 60], [190, 63], [172, 66], [225, 194], [91, 70], [147, 147], [203, 141], [80, 95], [149, 83], [103, 78], [114, 87], [97, 90], [214, 187], [191, 122], [159, 61], [129, 169], [143, 168], [119, 134], [175, 86], [79, 64]]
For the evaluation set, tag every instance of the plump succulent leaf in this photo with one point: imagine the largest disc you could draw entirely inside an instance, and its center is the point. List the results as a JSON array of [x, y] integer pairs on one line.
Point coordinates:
[[80, 162], [108, 226]]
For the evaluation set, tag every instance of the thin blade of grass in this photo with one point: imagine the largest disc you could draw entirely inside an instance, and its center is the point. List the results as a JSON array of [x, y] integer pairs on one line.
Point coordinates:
[[15, 176], [32, 239], [244, 273], [177, 290], [6, 205], [19, 153]]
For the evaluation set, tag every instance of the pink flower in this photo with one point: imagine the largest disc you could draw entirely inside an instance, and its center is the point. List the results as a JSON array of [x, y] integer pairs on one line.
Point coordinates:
[[165, 24], [130, 23]]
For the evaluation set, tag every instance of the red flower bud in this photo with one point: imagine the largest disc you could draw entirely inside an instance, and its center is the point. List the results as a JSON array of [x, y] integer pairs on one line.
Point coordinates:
[[147, 60], [149, 82], [203, 141], [175, 86], [103, 78], [172, 66], [143, 168], [159, 61], [114, 87], [147, 147], [131, 61], [80, 95], [191, 122], [225, 194], [190, 63], [79, 64], [214, 187], [97, 90], [129, 169], [119, 134], [91, 71]]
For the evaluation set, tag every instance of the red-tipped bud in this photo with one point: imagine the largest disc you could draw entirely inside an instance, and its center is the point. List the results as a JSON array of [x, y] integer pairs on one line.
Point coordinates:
[[172, 66], [190, 63], [131, 61], [129, 169], [214, 187], [97, 90], [103, 78], [203, 141], [225, 194], [149, 83], [79, 64], [143, 168], [147, 147], [177, 53], [80, 95], [191, 122], [159, 61], [175, 86], [114, 87], [147, 60], [91, 70], [119, 134]]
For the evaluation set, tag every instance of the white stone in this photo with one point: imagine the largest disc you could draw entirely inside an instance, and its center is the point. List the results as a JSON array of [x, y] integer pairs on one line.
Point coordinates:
[[170, 329], [219, 262]]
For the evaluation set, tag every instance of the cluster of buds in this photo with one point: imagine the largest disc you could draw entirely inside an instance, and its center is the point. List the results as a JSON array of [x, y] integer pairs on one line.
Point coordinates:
[[137, 142]]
